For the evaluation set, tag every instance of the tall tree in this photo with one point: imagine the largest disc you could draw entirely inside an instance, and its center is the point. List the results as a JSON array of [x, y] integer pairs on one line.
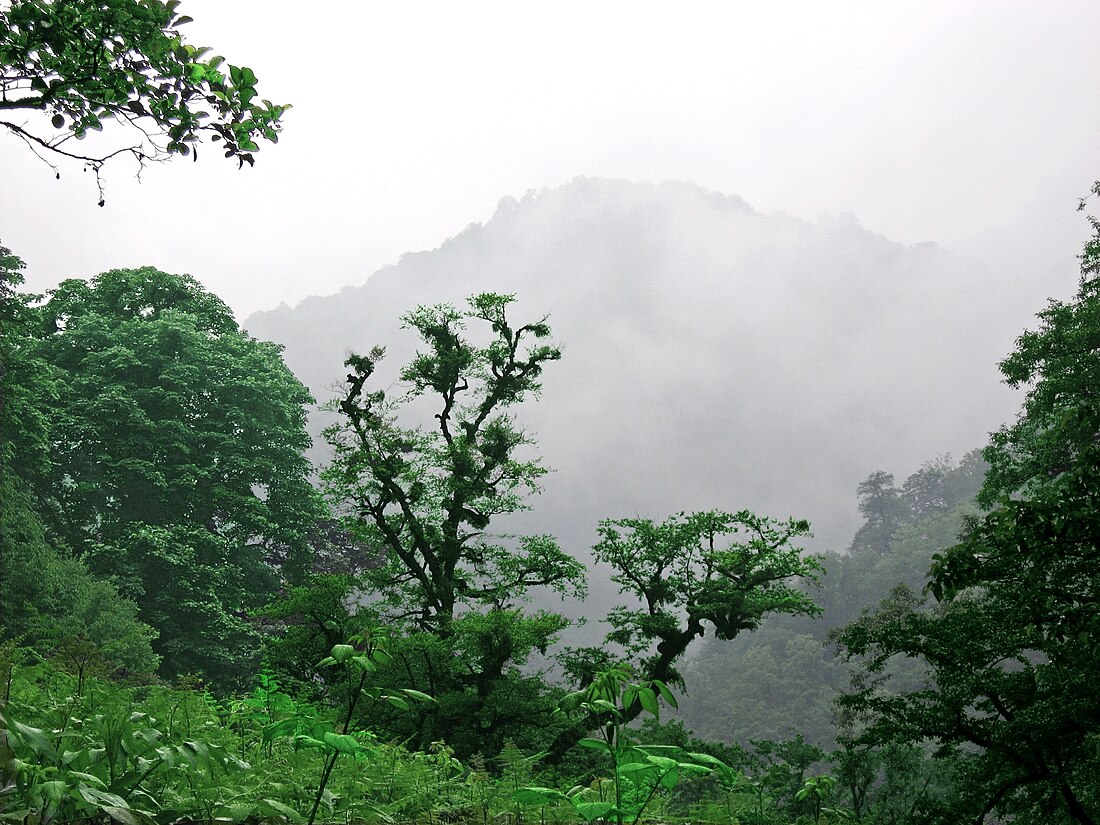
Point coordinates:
[[882, 509], [45, 597], [427, 495], [84, 65], [1011, 645], [177, 459], [690, 574]]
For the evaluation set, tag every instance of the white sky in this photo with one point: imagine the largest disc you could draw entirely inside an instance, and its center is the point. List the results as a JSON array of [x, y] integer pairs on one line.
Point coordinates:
[[943, 120]]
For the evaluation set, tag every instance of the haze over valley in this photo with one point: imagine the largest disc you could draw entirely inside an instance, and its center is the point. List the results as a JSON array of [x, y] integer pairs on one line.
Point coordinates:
[[506, 412], [714, 356]]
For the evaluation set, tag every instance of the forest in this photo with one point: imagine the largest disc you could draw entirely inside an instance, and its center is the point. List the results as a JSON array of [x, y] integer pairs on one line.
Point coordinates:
[[198, 624], [194, 630]]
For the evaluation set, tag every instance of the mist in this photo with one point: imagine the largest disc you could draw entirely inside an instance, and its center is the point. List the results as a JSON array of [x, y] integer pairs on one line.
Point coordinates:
[[714, 356]]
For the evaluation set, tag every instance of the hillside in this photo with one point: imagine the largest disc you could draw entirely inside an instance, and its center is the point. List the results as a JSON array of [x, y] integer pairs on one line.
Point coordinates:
[[714, 356]]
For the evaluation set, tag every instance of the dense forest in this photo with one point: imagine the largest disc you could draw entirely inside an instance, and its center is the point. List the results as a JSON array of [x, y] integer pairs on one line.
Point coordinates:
[[196, 626], [200, 624]]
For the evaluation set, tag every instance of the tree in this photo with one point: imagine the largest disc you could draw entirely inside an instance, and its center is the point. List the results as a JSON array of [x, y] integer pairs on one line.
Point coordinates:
[[1011, 645], [49, 599], [177, 463], [722, 570], [26, 385], [925, 492], [44, 596], [1057, 430], [715, 571], [426, 496], [78, 66], [882, 509]]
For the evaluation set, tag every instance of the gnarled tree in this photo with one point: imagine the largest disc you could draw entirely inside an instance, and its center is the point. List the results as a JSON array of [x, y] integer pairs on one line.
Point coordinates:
[[720, 570], [426, 496]]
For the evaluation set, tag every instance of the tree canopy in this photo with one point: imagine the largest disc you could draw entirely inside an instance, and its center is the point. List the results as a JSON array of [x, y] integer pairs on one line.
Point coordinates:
[[176, 453], [77, 68], [428, 496], [1010, 643], [725, 571]]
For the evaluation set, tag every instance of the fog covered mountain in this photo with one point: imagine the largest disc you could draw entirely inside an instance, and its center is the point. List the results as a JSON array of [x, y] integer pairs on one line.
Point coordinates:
[[715, 357]]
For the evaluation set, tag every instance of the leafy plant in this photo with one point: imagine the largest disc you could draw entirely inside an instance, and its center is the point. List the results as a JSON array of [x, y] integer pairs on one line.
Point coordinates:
[[100, 766], [818, 790], [87, 65], [364, 652], [612, 700]]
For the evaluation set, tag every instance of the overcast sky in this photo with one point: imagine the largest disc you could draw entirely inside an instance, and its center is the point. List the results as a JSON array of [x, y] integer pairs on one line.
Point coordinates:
[[973, 124]]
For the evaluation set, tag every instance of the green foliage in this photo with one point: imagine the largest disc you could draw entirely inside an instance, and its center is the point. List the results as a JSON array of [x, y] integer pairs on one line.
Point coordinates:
[[94, 755], [639, 772], [428, 496], [1010, 647], [176, 460], [486, 698], [783, 678], [364, 653], [45, 595], [85, 66], [27, 386], [1056, 430], [150, 754], [719, 569], [309, 620]]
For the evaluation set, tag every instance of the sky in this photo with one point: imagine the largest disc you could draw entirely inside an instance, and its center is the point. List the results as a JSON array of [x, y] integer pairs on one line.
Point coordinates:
[[972, 124]]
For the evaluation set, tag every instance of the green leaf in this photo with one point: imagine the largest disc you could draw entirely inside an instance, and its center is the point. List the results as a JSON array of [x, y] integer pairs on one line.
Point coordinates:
[[364, 663], [595, 744], [591, 811], [707, 759], [671, 779], [235, 812], [284, 727], [342, 742], [397, 701], [53, 791], [630, 696], [281, 809], [604, 705], [94, 781], [698, 769], [666, 694], [101, 798], [537, 796], [341, 653], [127, 816], [662, 762], [35, 738], [649, 701]]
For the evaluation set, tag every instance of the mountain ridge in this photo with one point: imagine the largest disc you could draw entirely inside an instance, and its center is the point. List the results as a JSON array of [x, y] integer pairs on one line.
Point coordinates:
[[715, 356]]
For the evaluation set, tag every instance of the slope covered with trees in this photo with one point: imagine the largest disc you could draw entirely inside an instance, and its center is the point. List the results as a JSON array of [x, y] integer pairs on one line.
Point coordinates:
[[783, 680], [374, 660], [708, 350]]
